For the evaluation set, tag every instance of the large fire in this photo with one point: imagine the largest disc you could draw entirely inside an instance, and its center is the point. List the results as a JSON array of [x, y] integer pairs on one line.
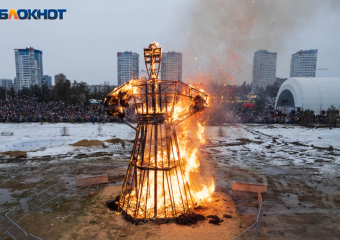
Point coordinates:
[[159, 181]]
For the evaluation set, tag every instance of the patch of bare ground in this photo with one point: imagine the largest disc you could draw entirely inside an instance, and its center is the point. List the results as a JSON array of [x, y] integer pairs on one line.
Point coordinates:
[[314, 199], [98, 222], [18, 185], [295, 210], [302, 226], [246, 140], [15, 154], [87, 143], [241, 141], [58, 214], [336, 200], [299, 144], [305, 194]]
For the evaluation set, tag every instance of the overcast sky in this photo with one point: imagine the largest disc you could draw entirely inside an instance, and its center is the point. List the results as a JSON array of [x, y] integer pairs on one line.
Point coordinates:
[[221, 34]]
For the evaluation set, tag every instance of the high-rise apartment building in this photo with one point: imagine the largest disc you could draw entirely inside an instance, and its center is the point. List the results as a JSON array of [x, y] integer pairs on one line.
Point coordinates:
[[127, 66], [29, 67], [59, 77], [264, 69], [303, 63], [6, 83], [171, 66], [47, 80]]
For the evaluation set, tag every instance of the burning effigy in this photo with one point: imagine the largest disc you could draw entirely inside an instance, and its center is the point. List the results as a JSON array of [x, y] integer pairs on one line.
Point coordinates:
[[158, 179]]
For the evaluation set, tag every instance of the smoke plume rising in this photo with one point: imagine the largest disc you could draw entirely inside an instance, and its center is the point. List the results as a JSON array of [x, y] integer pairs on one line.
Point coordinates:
[[224, 34]]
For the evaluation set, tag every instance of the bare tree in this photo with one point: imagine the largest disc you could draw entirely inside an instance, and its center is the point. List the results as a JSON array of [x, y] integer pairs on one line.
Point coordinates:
[[99, 129], [220, 132], [307, 117], [64, 131], [332, 116]]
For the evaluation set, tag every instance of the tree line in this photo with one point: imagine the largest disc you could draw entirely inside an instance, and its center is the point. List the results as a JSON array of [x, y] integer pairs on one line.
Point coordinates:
[[63, 91]]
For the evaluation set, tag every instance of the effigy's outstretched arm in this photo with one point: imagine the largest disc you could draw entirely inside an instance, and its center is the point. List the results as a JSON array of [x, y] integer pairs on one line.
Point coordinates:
[[149, 98], [118, 100]]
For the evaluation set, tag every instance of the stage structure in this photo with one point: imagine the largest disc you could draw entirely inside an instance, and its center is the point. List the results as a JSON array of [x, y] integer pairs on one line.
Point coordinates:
[[157, 184]]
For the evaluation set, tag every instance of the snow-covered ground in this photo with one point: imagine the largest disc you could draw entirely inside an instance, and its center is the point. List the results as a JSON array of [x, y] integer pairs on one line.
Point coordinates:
[[276, 145], [296, 163], [321, 137], [34, 136], [252, 145]]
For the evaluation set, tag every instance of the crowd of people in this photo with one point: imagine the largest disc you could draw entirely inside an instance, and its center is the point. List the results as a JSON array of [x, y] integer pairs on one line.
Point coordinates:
[[30, 110], [272, 116]]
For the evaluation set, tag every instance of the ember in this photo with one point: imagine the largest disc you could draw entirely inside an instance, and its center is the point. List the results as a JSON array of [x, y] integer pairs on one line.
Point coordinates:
[[157, 183]]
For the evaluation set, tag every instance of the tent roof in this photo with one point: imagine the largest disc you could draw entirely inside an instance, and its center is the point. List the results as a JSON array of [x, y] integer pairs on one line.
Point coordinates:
[[312, 93]]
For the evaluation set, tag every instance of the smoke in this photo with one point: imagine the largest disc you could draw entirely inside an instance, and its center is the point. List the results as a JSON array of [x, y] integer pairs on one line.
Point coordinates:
[[224, 34]]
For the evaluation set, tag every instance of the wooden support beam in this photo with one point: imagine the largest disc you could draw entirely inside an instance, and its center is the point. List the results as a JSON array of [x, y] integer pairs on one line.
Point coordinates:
[[246, 187]]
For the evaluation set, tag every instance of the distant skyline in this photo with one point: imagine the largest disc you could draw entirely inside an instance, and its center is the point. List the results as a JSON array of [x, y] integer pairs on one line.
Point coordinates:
[[84, 45]]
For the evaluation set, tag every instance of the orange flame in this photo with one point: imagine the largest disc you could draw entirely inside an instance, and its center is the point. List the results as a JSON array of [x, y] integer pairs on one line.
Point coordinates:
[[200, 133]]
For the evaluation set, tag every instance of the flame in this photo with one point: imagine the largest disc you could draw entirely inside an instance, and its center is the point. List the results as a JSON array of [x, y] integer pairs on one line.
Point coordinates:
[[190, 165], [179, 110], [200, 133], [206, 192], [192, 162]]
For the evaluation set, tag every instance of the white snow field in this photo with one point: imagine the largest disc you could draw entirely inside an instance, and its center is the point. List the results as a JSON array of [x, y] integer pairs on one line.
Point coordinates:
[[254, 144], [321, 137], [259, 145], [34, 136]]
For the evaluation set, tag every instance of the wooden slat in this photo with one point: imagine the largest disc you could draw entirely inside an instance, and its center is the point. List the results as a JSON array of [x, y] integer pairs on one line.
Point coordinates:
[[85, 181], [246, 187]]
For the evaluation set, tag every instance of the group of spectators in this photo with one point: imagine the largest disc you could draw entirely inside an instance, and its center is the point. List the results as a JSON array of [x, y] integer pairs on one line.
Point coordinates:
[[278, 117], [30, 110], [272, 116]]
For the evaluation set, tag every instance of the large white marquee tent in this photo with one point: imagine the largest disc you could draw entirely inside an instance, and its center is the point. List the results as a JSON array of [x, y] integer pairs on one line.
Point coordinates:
[[315, 94]]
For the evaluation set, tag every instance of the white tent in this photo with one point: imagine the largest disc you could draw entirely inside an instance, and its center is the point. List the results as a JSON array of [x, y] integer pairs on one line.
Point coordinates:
[[309, 93]]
